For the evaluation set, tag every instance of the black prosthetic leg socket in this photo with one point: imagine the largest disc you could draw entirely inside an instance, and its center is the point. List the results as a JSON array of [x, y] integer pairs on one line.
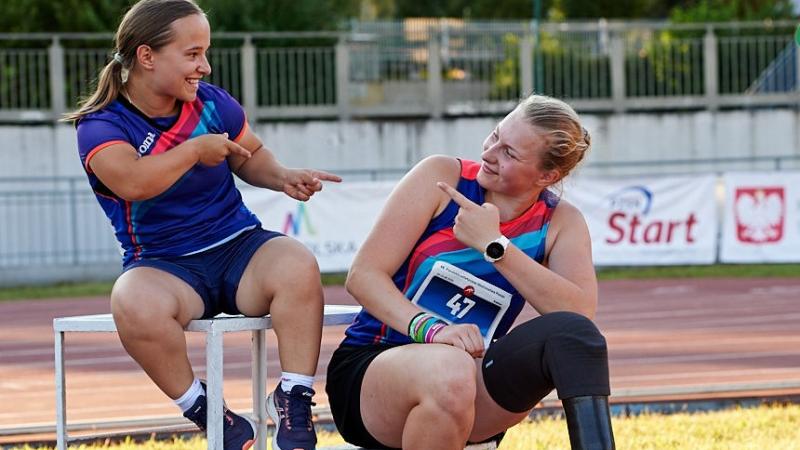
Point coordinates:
[[589, 423]]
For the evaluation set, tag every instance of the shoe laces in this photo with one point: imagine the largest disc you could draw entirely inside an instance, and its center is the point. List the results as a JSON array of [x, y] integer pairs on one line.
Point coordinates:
[[298, 411], [198, 416], [200, 419]]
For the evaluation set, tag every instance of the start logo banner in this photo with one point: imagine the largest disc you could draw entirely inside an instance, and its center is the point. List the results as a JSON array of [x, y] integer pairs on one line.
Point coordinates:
[[632, 221], [648, 221], [761, 221], [333, 224]]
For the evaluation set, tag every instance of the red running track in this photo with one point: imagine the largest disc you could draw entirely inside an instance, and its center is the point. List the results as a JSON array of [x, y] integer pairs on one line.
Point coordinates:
[[680, 335]]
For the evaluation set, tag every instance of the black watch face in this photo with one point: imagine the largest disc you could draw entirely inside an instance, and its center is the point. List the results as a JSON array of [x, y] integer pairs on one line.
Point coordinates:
[[495, 250]]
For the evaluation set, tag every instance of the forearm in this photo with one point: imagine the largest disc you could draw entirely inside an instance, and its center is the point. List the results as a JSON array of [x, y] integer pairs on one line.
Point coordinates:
[[542, 288], [377, 292], [152, 175], [263, 170]]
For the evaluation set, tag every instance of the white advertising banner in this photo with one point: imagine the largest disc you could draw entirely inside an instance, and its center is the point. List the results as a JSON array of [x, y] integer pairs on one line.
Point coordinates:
[[632, 221], [333, 224], [761, 219], [648, 221]]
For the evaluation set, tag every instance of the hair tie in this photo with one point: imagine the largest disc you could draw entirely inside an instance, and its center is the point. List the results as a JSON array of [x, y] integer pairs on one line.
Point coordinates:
[[118, 58]]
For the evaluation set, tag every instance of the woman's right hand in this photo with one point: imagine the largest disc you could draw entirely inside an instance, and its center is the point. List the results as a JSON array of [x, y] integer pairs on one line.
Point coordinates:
[[465, 336], [213, 149]]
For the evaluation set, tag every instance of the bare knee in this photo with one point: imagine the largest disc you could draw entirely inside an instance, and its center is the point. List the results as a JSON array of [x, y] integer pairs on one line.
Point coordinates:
[[452, 385], [301, 275], [136, 311]]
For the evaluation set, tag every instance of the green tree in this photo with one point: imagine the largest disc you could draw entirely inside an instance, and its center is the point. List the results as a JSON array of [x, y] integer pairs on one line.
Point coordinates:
[[474, 9], [65, 15], [727, 10], [279, 15], [680, 10], [617, 9], [226, 15]]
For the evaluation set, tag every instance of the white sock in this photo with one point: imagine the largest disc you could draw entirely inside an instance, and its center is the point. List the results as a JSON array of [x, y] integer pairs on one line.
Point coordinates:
[[290, 380], [188, 398]]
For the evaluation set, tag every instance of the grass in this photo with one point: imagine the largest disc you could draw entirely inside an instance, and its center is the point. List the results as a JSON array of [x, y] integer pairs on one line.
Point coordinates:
[[775, 427], [99, 288], [764, 427], [710, 271], [56, 291], [333, 279]]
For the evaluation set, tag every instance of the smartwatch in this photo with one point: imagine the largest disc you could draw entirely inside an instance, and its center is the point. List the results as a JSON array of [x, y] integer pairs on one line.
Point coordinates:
[[496, 249]]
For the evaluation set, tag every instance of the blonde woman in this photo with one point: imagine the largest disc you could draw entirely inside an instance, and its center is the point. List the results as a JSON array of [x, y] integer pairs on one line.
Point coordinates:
[[458, 250]]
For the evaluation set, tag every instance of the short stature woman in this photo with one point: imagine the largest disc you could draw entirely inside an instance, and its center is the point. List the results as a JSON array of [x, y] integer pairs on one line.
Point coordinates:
[[160, 148]]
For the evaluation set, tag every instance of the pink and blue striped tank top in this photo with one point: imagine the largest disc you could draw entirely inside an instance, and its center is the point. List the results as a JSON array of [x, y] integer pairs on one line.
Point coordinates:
[[440, 252]]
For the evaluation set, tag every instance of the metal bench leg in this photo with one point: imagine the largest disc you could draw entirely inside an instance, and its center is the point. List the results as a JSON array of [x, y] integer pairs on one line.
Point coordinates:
[[61, 393], [259, 367], [214, 389]]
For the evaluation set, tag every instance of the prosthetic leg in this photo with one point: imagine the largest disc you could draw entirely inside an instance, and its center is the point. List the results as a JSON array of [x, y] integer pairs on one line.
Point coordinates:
[[589, 423], [560, 350]]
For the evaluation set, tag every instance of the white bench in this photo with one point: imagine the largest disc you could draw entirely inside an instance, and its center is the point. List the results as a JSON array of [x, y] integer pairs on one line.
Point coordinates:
[[214, 329]]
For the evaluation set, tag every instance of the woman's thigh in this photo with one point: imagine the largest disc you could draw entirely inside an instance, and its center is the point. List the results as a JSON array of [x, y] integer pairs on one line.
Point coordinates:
[[401, 378], [145, 294], [280, 266], [398, 379]]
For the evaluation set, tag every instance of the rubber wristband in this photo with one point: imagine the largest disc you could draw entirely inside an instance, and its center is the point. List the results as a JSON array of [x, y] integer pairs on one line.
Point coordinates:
[[434, 330], [426, 328], [413, 322], [421, 328]]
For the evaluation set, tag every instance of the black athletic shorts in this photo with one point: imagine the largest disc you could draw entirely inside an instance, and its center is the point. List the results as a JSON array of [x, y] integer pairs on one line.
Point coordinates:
[[345, 375]]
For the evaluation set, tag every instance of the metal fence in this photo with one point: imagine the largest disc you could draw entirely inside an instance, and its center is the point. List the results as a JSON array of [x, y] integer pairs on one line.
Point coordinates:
[[56, 221], [442, 67], [53, 221], [49, 222]]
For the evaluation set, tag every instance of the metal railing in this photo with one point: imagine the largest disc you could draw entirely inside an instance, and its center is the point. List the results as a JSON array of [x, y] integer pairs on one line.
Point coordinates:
[[684, 166], [53, 221], [57, 221], [442, 67]]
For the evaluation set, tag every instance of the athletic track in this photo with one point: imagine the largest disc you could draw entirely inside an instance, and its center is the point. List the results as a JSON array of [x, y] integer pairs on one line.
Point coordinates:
[[668, 339]]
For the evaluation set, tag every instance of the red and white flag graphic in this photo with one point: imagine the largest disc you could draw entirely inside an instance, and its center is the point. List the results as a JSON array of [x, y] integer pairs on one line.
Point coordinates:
[[759, 213]]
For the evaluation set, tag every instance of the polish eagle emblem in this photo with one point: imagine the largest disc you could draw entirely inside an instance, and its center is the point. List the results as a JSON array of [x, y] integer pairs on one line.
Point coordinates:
[[759, 214]]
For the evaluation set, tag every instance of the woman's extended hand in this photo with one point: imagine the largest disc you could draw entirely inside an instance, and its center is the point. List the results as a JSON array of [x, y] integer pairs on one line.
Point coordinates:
[[465, 336], [475, 225], [213, 149], [301, 184]]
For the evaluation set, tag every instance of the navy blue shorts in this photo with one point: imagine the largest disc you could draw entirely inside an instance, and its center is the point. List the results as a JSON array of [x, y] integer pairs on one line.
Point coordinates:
[[215, 273]]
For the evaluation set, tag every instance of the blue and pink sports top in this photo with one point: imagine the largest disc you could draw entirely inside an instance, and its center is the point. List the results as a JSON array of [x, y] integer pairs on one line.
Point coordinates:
[[202, 209], [438, 244]]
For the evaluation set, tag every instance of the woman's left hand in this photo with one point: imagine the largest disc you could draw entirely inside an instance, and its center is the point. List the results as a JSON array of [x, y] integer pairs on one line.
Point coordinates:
[[475, 225], [301, 184]]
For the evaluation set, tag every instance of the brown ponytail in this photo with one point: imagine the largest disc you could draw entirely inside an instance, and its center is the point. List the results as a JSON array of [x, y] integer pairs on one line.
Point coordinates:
[[109, 85]]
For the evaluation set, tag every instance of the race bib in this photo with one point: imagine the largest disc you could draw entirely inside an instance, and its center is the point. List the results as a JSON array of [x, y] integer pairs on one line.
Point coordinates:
[[456, 296]]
